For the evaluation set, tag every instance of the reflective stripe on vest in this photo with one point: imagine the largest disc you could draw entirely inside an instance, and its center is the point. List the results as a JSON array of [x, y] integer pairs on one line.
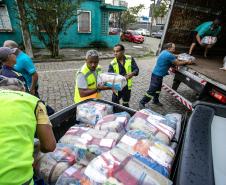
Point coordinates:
[[91, 80], [127, 66], [17, 129]]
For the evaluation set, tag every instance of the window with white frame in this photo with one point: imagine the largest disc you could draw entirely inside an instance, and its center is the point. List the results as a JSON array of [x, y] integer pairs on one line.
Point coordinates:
[[84, 21], [5, 24]]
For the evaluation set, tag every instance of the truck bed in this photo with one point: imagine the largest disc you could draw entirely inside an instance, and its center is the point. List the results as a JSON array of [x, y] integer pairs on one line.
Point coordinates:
[[209, 68]]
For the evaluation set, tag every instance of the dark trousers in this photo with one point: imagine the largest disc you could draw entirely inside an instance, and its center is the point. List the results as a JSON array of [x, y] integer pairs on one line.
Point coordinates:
[[49, 109], [154, 90], [125, 95]]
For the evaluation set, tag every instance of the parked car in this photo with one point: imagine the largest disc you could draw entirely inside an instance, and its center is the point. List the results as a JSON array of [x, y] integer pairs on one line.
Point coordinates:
[[132, 36], [157, 34], [114, 31], [143, 32]]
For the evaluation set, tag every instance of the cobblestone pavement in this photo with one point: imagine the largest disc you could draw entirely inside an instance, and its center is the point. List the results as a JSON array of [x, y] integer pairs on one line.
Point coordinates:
[[56, 80]]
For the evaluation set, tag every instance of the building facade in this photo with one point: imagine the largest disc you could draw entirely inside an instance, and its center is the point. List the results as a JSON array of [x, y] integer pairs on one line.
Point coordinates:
[[91, 28]]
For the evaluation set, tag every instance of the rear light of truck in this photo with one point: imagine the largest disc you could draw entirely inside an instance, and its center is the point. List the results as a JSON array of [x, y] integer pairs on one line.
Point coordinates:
[[218, 95]]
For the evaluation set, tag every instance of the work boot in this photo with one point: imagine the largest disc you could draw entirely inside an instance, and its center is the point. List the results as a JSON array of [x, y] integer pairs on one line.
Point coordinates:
[[141, 105], [157, 103], [125, 104]]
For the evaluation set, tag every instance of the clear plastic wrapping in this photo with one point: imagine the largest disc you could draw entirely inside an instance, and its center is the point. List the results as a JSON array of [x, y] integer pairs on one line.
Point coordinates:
[[114, 122], [96, 141], [209, 40], [124, 168], [113, 80], [153, 123], [91, 112], [186, 57]]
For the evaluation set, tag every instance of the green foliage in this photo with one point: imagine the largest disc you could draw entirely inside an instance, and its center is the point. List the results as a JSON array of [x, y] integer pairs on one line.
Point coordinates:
[[130, 16], [49, 18], [162, 9]]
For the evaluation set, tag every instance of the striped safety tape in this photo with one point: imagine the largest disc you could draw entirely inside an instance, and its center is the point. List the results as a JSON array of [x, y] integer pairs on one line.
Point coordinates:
[[176, 95]]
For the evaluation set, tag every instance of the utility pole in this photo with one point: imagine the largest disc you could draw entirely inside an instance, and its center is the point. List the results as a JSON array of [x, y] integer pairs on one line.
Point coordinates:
[[24, 26], [151, 14]]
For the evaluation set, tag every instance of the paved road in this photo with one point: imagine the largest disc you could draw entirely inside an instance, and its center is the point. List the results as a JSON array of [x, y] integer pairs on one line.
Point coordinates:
[[57, 85], [150, 45]]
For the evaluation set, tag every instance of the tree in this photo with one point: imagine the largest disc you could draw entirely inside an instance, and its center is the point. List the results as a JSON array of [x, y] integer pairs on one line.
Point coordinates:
[[49, 18], [130, 16], [162, 9], [25, 29]]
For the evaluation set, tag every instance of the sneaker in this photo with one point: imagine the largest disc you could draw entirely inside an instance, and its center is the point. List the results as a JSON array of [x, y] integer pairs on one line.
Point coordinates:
[[141, 105], [158, 104]]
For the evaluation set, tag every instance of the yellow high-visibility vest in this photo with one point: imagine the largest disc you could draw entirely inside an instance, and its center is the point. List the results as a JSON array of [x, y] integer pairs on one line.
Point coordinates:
[[17, 130], [91, 80], [127, 66]]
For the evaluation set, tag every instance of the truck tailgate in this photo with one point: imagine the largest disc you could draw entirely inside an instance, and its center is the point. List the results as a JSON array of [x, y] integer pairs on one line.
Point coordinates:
[[210, 69]]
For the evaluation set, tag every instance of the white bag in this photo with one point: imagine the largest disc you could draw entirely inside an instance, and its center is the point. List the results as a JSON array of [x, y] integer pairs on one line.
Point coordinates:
[[186, 57], [95, 141], [126, 169], [153, 123], [224, 66], [115, 81], [73, 175], [91, 112], [209, 40], [114, 122]]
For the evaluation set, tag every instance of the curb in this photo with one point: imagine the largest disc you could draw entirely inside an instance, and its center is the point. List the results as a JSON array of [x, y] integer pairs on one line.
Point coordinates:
[[64, 59], [37, 60]]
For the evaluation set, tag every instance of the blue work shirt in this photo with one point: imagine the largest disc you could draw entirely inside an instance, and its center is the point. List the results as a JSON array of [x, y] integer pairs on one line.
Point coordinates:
[[25, 66], [163, 63], [205, 29]]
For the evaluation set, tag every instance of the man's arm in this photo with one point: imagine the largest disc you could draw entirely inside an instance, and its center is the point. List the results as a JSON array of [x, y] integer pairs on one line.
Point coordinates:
[[86, 92], [202, 32], [46, 138], [181, 63], [83, 86], [135, 69], [34, 83], [198, 38], [44, 130], [110, 69], [31, 70]]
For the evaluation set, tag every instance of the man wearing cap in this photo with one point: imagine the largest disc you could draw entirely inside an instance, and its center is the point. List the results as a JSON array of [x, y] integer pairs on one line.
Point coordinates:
[[25, 66], [8, 60], [86, 86], [22, 115]]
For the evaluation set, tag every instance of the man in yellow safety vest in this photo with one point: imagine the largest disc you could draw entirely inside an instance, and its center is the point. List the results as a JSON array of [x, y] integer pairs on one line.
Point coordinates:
[[22, 115], [124, 65], [86, 86]]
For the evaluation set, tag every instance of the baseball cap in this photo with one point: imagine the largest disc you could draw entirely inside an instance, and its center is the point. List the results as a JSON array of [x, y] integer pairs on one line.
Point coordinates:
[[5, 52]]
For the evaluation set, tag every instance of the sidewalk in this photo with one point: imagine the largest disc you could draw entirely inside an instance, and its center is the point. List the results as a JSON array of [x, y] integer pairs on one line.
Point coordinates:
[[149, 47]]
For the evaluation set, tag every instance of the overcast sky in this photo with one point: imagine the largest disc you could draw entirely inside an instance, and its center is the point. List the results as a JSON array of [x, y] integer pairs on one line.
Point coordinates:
[[146, 3]]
